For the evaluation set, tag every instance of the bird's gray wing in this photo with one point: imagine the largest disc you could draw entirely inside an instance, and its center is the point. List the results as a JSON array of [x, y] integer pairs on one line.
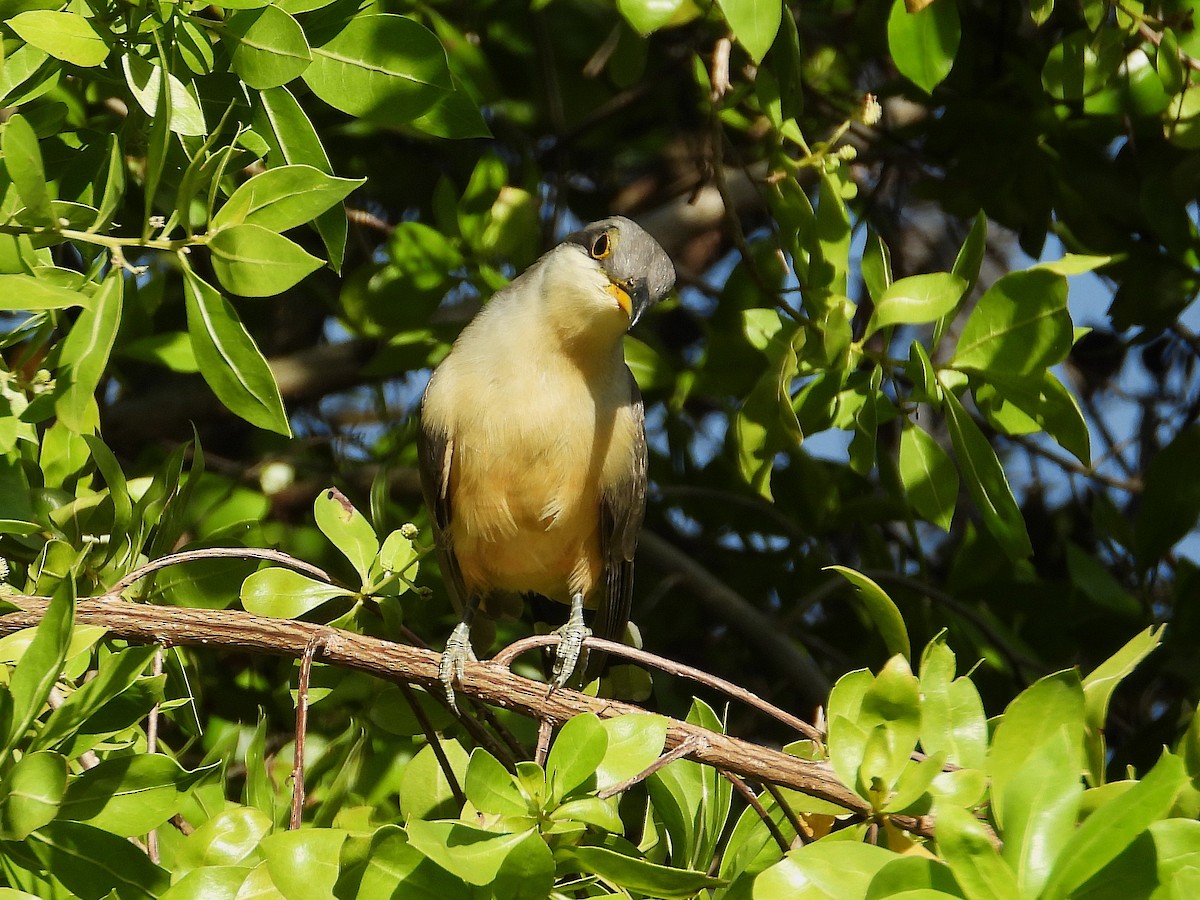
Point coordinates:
[[622, 508], [435, 452]]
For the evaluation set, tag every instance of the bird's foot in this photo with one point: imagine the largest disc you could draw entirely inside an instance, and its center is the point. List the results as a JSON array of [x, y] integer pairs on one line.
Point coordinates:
[[457, 654], [570, 645]]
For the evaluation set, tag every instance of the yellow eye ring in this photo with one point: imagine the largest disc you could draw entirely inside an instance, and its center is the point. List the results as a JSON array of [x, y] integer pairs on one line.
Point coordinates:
[[601, 246]]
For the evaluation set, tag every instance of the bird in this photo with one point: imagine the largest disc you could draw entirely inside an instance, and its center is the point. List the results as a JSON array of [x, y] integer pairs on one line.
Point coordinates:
[[532, 441]]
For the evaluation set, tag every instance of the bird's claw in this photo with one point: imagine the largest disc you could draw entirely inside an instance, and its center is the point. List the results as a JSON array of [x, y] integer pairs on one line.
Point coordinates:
[[570, 645], [457, 654]]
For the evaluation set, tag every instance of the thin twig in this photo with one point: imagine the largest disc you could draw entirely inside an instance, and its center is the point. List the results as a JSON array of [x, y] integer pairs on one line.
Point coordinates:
[[803, 833], [431, 736], [506, 754], [186, 556], [306, 661], [1129, 485], [691, 744], [545, 727], [652, 660], [748, 795], [152, 747]]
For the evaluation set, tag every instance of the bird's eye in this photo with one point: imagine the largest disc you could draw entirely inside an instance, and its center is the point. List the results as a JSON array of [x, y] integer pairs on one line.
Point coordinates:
[[601, 247]]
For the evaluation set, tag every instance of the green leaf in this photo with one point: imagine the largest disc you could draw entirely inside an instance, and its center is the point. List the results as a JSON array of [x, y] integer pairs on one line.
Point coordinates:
[[1091, 576], [1168, 64], [384, 67], [1074, 264], [491, 788], [638, 875], [1040, 802], [963, 842], [881, 608], [1171, 500], [304, 863], [64, 35], [226, 839], [116, 673], [1098, 689], [30, 683], [929, 477], [84, 355], [455, 115], [282, 198], [31, 794], [647, 16], [211, 883], [754, 23], [285, 594], [23, 161], [1019, 326], [986, 481], [474, 855], [1040, 10], [91, 862], [576, 754], [254, 262], [397, 869], [916, 299], [833, 235], [634, 742], [171, 350], [1017, 404], [1115, 825], [952, 717], [913, 878], [347, 529], [145, 83], [398, 554], [24, 292], [259, 790], [1033, 719], [129, 795], [269, 47], [891, 713], [876, 267], [424, 791], [825, 870], [923, 44], [591, 811], [767, 424], [279, 118], [970, 255], [229, 360]]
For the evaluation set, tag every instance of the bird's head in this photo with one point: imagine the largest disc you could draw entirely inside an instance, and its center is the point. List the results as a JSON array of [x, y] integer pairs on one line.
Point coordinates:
[[637, 271]]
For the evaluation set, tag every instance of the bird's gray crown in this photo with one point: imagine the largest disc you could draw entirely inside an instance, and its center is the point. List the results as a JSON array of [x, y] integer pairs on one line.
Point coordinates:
[[627, 253]]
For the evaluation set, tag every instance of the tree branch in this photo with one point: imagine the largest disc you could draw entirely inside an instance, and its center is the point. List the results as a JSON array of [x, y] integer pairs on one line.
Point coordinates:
[[179, 626]]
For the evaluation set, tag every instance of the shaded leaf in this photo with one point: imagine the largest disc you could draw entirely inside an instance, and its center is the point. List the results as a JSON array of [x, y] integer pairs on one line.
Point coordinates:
[[986, 481], [881, 608], [229, 360], [929, 477]]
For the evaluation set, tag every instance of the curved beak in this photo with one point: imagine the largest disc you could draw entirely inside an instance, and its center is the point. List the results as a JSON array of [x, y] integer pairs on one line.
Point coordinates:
[[633, 297]]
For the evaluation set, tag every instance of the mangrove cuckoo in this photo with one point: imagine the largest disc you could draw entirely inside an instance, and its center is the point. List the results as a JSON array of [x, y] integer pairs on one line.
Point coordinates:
[[533, 445]]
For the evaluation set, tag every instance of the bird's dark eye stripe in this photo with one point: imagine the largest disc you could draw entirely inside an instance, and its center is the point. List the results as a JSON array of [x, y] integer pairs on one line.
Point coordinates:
[[600, 246]]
